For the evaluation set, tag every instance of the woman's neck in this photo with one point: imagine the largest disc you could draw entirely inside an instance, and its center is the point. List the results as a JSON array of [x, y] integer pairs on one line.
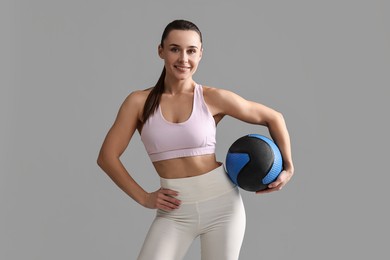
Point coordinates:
[[178, 86]]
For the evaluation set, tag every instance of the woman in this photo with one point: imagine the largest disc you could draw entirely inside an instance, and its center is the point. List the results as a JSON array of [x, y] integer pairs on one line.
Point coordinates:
[[177, 122]]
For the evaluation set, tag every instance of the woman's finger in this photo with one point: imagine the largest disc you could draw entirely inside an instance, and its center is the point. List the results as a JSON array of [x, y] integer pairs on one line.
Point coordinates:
[[166, 199]]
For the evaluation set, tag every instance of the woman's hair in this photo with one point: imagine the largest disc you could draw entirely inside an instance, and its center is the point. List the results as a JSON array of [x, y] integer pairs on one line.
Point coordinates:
[[154, 96]]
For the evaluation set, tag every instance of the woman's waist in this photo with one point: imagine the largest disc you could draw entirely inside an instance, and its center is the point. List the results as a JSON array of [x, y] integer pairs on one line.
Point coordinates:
[[186, 166], [201, 187]]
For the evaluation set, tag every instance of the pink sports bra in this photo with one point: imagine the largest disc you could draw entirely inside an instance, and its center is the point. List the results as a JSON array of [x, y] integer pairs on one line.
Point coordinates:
[[196, 136]]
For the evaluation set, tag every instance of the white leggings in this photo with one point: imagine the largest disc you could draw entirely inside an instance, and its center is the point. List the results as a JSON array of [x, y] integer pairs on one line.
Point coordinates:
[[211, 208]]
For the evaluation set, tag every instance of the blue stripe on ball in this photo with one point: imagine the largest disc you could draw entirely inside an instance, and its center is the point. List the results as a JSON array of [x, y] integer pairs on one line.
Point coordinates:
[[234, 163], [277, 166]]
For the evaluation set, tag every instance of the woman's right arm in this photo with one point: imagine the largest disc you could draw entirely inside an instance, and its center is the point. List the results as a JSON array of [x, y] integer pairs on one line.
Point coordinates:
[[116, 142]]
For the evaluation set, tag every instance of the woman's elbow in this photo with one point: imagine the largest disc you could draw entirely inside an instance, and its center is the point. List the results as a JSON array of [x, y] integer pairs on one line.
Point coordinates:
[[275, 118], [107, 157], [102, 159], [279, 116]]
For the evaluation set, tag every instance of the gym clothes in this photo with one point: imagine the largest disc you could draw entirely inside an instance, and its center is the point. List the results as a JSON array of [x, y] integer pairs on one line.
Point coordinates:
[[167, 140], [211, 209]]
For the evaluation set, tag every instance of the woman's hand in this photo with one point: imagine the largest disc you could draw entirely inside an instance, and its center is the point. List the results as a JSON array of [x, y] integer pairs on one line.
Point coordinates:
[[282, 180], [163, 199]]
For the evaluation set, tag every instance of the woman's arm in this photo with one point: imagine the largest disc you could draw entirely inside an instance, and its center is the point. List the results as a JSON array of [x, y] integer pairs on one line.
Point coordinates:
[[116, 142], [223, 102]]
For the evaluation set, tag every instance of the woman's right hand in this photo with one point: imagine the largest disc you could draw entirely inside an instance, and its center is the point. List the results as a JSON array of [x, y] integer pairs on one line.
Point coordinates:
[[162, 199]]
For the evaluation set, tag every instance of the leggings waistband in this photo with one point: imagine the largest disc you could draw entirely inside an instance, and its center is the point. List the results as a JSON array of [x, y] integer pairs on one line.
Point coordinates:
[[201, 187]]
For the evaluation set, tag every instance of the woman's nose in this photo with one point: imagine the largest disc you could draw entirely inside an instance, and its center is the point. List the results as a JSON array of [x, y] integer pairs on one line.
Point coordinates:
[[183, 56]]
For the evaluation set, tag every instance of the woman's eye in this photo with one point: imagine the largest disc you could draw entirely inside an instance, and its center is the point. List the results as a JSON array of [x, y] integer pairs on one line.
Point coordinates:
[[174, 49], [192, 51]]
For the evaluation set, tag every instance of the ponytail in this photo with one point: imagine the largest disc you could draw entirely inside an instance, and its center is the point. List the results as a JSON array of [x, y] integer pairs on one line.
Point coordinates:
[[153, 100]]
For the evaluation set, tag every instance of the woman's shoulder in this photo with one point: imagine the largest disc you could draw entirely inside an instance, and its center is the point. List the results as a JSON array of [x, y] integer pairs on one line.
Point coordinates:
[[136, 98], [211, 92], [224, 99]]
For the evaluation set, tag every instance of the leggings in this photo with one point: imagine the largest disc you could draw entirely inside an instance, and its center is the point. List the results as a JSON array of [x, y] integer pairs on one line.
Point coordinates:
[[211, 209]]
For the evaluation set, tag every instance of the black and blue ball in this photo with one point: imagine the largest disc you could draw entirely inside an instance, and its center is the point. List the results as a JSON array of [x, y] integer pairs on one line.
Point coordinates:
[[253, 161]]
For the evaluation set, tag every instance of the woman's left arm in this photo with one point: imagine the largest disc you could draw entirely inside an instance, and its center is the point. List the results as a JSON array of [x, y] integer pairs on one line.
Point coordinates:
[[223, 102]]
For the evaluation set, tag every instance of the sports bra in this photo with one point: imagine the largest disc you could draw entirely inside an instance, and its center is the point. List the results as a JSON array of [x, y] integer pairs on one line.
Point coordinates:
[[165, 140]]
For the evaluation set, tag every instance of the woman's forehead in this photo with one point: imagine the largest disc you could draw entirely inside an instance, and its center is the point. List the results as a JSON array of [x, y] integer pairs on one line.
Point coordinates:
[[183, 38]]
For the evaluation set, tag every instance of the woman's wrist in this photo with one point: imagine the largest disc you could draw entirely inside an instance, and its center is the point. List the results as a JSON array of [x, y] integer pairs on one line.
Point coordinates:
[[288, 166]]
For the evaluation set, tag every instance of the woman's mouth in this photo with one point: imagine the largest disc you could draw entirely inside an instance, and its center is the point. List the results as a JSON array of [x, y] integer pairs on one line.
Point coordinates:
[[182, 68]]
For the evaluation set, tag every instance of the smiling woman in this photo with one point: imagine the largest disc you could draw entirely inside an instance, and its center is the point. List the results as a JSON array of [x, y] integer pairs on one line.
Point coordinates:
[[177, 121], [183, 53]]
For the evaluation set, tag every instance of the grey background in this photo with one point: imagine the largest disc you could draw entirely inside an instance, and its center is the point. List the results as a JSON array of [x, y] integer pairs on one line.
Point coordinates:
[[66, 66]]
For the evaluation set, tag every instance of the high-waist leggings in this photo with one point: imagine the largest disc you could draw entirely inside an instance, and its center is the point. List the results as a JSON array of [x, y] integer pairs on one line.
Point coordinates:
[[211, 208]]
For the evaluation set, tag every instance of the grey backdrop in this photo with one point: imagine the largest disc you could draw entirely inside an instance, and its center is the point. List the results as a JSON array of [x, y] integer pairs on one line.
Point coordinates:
[[66, 66]]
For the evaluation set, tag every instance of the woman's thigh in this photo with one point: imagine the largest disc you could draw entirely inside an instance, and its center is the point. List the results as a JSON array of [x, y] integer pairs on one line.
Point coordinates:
[[223, 227], [170, 234]]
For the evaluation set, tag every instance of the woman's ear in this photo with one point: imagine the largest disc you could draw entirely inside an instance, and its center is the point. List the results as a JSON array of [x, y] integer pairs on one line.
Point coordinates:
[[201, 53], [160, 51]]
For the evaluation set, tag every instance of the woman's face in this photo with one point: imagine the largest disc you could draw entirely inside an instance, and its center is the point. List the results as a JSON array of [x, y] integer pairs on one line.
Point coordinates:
[[182, 52]]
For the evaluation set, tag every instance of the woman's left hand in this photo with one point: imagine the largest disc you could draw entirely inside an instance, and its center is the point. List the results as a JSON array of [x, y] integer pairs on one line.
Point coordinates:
[[277, 185]]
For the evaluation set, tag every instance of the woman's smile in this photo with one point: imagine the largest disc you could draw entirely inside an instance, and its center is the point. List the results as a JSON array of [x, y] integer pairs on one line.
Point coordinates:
[[182, 68]]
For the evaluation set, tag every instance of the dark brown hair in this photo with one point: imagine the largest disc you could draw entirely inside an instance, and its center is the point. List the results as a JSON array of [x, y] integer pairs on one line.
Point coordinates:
[[154, 96]]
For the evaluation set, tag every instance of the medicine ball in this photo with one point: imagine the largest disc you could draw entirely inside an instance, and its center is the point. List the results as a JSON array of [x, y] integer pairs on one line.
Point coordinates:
[[253, 161]]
